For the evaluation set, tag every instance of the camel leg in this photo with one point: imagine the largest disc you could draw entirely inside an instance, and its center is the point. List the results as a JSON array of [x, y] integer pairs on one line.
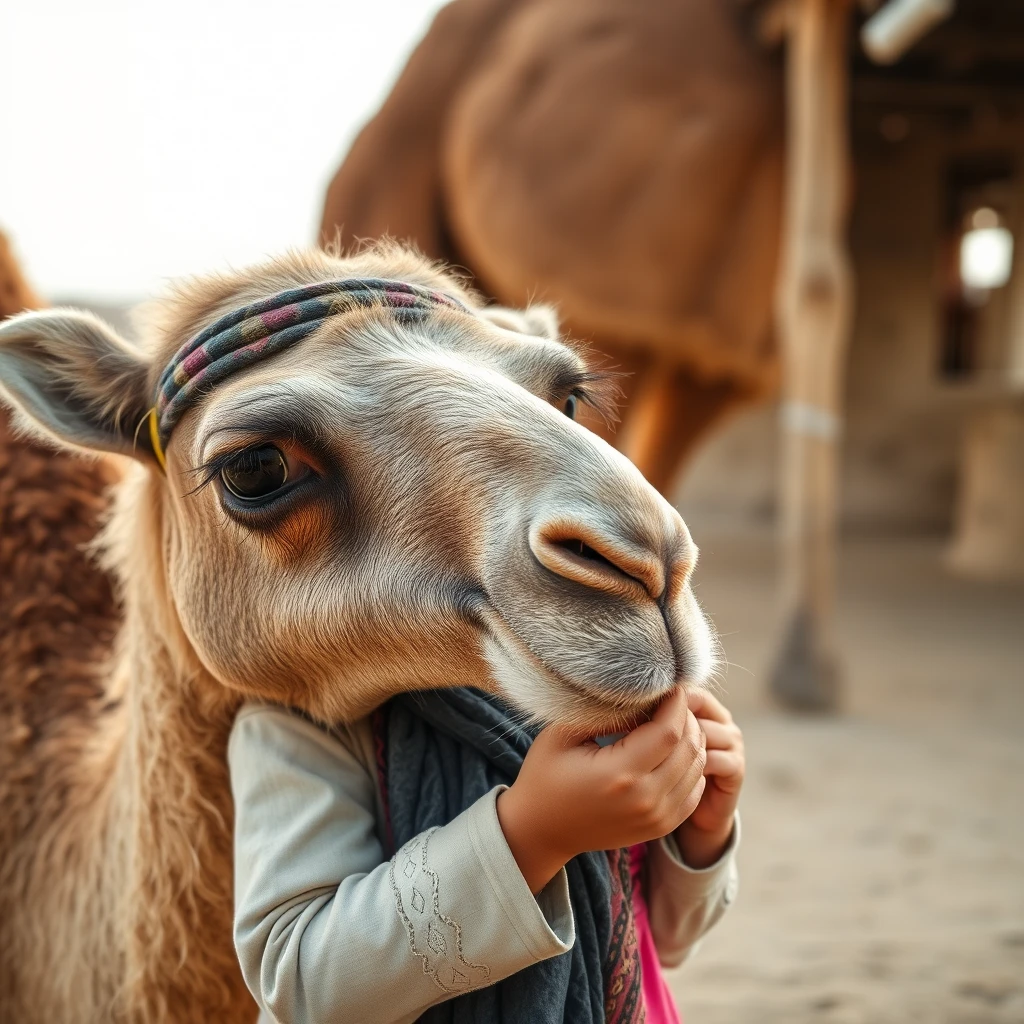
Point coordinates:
[[670, 413]]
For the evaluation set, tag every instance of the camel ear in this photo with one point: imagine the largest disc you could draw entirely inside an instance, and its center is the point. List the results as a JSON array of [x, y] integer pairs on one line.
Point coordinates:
[[74, 380], [539, 321]]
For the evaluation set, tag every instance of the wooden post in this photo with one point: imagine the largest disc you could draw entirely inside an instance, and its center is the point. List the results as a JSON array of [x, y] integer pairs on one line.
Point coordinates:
[[814, 303]]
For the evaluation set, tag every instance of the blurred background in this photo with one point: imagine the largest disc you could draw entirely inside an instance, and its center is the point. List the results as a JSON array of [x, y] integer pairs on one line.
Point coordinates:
[[797, 226]]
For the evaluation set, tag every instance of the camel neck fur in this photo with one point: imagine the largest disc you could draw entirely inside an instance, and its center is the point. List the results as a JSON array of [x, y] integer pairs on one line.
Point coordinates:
[[160, 851]]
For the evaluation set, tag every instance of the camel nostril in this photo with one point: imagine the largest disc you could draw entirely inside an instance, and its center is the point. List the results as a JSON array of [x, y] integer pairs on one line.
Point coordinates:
[[583, 550], [591, 557]]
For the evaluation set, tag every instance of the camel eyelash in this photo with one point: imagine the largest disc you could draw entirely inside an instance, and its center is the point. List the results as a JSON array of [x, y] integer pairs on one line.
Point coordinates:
[[598, 389], [260, 434], [259, 513], [209, 471]]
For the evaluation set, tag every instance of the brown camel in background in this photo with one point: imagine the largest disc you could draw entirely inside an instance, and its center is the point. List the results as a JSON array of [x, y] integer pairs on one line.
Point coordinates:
[[620, 159], [16, 293], [56, 606]]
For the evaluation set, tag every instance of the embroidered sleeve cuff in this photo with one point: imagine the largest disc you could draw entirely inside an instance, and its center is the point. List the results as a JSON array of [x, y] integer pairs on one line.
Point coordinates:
[[544, 922], [469, 914]]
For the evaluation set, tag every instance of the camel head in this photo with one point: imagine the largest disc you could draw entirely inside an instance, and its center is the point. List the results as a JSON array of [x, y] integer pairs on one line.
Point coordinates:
[[392, 502]]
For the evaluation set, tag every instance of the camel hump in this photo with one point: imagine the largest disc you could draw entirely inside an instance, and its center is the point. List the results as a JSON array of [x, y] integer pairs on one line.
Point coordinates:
[[390, 181], [625, 159]]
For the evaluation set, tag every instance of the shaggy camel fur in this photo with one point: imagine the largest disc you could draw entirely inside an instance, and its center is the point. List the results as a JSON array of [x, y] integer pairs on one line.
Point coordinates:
[[58, 619], [442, 523], [620, 159]]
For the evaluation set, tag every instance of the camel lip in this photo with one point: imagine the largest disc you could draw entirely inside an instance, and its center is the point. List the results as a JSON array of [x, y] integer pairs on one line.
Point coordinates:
[[629, 717], [509, 639]]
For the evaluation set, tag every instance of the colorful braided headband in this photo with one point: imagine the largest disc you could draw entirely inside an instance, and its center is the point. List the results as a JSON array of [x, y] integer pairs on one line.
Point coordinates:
[[258, 331]]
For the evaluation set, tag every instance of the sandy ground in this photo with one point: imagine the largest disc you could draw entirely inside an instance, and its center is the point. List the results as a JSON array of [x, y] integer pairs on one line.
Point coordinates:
[[882, 863]]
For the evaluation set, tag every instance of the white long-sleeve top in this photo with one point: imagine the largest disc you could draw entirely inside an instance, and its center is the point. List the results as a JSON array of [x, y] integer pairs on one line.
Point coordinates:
[[327, 929]]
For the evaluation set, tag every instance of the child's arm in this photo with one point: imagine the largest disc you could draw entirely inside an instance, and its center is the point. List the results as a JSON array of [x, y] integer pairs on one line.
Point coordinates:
[[692, 875], [685, 903], [327, 929]]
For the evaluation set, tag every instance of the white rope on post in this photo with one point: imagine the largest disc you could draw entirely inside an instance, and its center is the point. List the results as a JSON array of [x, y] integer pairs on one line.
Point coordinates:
[[812, 420]]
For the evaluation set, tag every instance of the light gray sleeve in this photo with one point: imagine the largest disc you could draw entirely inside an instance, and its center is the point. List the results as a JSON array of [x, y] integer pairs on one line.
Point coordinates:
[[683, 902], [327, 929]]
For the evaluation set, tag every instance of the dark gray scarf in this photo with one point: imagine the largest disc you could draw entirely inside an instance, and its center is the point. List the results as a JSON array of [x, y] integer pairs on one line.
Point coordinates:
[[443, 750]]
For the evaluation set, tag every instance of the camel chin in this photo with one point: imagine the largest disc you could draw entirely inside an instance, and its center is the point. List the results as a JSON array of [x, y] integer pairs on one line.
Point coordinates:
[[601, 688]]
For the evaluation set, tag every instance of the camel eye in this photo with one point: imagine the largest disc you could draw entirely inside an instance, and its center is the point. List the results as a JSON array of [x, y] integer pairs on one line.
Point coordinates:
[[255, 473], [570, 406]]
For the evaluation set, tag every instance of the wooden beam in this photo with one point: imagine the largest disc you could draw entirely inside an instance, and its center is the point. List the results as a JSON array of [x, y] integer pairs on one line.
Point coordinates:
[[934, 94], [813, 317]]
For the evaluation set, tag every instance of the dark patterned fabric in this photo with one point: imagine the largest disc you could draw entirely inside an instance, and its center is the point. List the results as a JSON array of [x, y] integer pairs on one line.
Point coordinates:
[[379, 720], [623, 993], [262, 329], [444, 749]]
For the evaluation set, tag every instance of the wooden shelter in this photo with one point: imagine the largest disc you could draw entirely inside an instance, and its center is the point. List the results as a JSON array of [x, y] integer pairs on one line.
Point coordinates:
[[858, 78]]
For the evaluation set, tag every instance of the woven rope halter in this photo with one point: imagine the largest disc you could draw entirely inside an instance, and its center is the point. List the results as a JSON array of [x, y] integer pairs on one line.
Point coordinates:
[[255, 332]]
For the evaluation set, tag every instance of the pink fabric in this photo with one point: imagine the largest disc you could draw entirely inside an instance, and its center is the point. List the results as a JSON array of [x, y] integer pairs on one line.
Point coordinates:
[[658, 1002]]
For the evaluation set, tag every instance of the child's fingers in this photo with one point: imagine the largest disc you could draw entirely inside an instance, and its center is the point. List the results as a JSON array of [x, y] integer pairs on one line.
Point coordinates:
[[686, 759], [685, 796], [705, 704], [724, 764], [652, 742], [719, 736]]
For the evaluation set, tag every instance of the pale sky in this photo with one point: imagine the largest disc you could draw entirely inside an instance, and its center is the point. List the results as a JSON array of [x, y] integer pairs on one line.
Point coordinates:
[[142, 140]]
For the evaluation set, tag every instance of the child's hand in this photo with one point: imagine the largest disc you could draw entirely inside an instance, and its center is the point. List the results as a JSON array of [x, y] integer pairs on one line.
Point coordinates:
[[572, 796], [704, 835]]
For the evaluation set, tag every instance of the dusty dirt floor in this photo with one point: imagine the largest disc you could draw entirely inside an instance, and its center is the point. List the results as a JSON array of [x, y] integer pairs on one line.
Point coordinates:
[[882, 861]]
